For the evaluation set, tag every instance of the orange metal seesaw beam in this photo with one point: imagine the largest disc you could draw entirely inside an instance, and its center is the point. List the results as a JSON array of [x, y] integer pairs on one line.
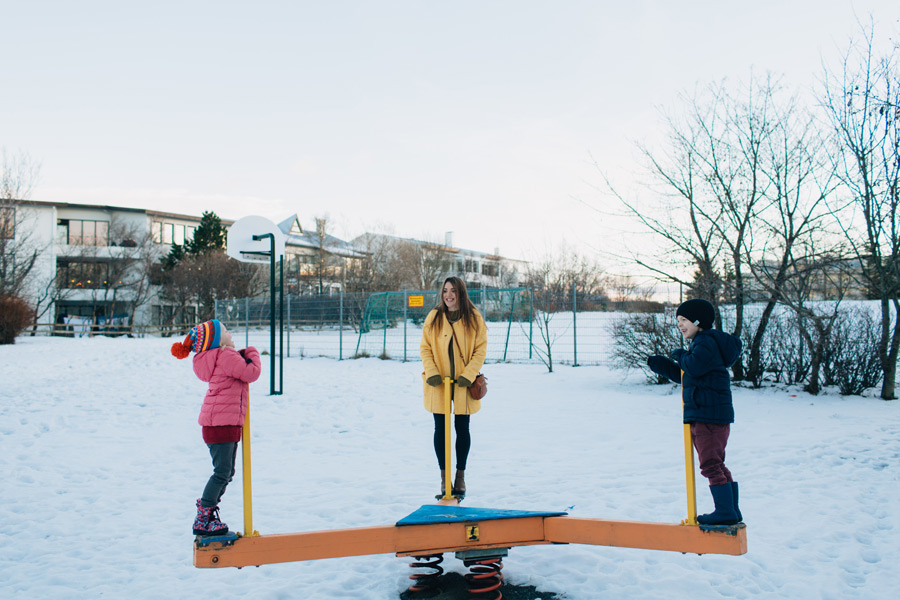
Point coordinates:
[[434, 538]]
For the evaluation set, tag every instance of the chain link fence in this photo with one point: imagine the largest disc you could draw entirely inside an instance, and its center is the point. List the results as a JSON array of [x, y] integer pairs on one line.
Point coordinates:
[[388, 325]]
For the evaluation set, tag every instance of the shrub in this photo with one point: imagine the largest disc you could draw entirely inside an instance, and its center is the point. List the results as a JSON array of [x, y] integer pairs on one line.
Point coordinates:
[[786, 356], [638, 336], [15, 316], [851, 356]]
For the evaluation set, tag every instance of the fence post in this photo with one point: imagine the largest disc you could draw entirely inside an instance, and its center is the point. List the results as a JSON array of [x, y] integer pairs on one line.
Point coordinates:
[[387, 297], [574, 326], [531, 325], [512, 310], [405, 304]]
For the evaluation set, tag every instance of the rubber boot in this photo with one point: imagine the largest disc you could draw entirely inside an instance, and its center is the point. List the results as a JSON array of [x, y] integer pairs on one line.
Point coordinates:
[[724, 513], [207, 521], [734, 493], [459, 484]]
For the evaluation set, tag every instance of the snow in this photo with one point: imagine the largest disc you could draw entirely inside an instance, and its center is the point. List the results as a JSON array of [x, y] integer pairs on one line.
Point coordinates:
[[102, 461]]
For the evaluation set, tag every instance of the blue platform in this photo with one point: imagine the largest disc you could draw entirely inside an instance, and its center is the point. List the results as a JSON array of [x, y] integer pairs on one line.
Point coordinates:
[[436, 513]]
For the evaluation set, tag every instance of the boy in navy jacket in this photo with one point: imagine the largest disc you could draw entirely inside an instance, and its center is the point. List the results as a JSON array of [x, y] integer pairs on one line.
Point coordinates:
[[706, 392]]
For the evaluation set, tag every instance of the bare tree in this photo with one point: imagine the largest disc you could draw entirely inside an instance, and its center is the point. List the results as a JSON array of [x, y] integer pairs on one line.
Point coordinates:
[[18, 252], [129, 259], [422, 265], [553, 279], [862, 103], [813, 271], [741, 181], [680, 216], [19, 248], [790, 229], [19, 174], [369, 273]]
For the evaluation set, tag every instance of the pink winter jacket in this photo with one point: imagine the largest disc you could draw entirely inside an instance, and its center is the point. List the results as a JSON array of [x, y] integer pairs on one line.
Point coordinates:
[[229, 375]]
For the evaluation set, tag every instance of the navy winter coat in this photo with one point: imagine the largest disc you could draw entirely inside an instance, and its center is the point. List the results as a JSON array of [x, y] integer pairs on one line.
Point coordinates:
[[706, 388]]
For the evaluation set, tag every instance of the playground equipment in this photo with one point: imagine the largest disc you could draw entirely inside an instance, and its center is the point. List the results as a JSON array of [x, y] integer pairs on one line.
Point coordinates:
[[257, 239], [480, 537]]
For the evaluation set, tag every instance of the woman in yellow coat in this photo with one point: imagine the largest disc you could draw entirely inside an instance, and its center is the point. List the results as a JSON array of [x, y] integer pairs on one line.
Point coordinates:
[[461, 360]]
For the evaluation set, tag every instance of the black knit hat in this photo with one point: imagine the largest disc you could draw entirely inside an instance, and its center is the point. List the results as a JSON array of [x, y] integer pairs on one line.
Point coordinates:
[[698, 311]]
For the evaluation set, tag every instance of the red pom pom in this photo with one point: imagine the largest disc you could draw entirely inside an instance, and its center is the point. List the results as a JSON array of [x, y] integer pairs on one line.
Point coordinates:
[[182, 349]]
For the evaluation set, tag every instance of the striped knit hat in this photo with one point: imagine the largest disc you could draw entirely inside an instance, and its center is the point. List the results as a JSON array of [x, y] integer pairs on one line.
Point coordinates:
[[204, 336]]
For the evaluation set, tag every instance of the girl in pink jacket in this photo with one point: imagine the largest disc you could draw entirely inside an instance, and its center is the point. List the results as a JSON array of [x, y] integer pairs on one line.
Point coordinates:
[[229, 374]]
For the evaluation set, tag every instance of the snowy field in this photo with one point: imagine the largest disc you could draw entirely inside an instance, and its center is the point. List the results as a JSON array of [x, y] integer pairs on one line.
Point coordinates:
[[102, 461]]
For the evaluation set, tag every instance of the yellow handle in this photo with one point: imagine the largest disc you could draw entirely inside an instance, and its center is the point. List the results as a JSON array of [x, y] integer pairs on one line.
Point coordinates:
[[245, 455], [448, 488], [689, 477], [690, 480]]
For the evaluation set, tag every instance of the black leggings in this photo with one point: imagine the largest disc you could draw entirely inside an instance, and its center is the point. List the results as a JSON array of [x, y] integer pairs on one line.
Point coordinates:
[[463, 439]]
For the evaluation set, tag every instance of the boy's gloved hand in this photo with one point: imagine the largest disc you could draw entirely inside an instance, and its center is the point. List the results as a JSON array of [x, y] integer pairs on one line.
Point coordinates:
[[676, 354], [656, 363], [434, 380], [463, 381]]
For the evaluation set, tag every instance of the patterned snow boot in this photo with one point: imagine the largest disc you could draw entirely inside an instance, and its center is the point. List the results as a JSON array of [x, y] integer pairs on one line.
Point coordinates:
[[724, 514], [207, 521]]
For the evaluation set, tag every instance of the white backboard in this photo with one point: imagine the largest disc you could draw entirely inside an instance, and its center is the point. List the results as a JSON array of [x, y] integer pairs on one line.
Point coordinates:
[[242, 246]]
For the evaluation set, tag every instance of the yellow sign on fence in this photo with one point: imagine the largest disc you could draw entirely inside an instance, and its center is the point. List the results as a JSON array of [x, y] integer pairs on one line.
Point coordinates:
[[416, 301]]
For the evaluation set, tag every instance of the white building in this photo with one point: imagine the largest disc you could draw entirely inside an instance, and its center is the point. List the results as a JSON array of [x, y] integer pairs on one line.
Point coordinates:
[[477, 268], [93, 263], [91, 260]]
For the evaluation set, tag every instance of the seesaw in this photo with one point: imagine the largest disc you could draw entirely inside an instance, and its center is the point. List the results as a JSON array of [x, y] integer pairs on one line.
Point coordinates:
[[480, 537]]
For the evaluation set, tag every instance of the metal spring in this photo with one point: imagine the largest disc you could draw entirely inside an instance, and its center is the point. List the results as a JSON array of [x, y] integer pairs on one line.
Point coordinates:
[[426, 582], [485, 578]]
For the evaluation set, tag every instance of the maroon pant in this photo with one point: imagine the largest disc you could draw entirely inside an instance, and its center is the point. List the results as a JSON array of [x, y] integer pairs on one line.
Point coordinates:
[[710, 439]]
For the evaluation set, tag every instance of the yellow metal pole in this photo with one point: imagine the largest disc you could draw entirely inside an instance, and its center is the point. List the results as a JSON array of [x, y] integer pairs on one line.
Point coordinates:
[[447, 452], [690, 480], [248, 494], [689, 477]]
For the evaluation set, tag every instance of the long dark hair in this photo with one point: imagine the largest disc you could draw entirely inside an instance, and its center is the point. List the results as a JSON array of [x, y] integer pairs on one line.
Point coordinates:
[[466, 308]]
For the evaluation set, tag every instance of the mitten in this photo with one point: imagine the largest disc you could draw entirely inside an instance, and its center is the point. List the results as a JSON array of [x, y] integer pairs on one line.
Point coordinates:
[[463, 381], [676, 354], [657, 363], [434, 380]]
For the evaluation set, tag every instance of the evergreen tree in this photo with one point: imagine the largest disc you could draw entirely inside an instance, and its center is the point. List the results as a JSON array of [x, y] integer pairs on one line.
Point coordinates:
[[210, 235], [175, 256]]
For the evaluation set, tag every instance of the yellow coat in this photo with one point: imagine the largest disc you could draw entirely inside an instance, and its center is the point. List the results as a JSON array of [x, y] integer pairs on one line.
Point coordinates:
[[436, 361]]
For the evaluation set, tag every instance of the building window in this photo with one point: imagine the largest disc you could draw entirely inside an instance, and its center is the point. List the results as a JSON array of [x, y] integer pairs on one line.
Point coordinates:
[[171, 233], [80, 274], [471, 265], [490, 269], [76, 232], [7, 222]]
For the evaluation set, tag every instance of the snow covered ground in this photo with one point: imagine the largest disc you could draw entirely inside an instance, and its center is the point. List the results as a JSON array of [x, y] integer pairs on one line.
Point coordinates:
[[102, 461]]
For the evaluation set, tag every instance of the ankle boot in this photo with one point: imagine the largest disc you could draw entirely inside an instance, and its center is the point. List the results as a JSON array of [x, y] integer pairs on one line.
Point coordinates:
[[207, 521], [734, 493], [459, 484], [724, 513]]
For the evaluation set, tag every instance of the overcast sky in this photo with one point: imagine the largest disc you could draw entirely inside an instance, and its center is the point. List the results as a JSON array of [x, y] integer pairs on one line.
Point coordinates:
[[481, 118]]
